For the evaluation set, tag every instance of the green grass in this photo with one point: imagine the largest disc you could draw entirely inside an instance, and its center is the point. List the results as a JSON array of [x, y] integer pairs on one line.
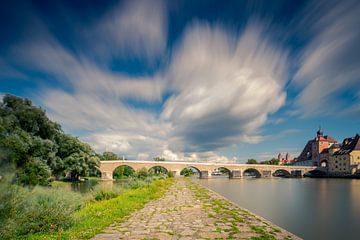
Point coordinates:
[[60, 184], [96, 216]]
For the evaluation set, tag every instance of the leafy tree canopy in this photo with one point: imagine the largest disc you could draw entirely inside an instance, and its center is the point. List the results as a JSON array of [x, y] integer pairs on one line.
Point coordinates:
[[251, 161], [37, 147], [109, 156]]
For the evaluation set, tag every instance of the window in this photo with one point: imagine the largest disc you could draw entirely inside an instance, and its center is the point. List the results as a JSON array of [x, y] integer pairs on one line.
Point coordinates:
[[336, 166]]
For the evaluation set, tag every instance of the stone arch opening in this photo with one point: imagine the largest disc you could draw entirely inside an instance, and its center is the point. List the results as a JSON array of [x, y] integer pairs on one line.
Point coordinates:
[[190, 171], [158, 170], [324, 163], [252, 173], [221, 172], [123, 172], [281, 173]]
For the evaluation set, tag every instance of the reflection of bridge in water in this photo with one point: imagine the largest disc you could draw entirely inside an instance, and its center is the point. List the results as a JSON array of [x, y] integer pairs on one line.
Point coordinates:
[[205, 169]]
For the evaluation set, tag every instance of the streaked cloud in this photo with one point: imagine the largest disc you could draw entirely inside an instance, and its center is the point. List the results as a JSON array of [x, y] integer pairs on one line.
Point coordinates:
[[132, 29], [329, 65], [224, 86], [205, 90]]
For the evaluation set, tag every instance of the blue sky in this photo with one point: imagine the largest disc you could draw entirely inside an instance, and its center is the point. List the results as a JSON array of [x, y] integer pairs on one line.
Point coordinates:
[[188, 80]]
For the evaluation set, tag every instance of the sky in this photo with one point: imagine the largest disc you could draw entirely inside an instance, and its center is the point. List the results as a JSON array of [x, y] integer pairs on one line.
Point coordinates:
[[187, 80]]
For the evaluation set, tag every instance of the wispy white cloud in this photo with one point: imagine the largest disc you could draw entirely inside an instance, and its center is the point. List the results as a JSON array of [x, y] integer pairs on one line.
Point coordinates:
[[329, 65], [225, 87], [222, 87], [135, 29]]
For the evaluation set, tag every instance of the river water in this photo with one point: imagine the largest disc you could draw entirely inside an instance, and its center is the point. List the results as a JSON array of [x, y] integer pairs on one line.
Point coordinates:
[[310, 208]]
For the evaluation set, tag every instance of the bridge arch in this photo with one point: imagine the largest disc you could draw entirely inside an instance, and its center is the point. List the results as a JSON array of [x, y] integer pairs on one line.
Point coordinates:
[[281, 173], [222, 171], [122, 171], [324, 163], [251, 172], [184, 170], [158, 169]]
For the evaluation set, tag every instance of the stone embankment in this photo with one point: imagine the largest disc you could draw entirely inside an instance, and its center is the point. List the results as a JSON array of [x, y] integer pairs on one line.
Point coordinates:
[[190, 211]]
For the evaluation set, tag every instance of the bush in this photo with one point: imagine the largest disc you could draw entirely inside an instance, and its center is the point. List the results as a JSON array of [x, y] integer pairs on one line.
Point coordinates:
[[170, 174], [24, 211], [134, 183], [47, 210], [12, 198], [105, 193], [141, 174]]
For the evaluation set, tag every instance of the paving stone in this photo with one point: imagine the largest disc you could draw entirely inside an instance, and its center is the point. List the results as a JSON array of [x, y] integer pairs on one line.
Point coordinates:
[[183, 213]]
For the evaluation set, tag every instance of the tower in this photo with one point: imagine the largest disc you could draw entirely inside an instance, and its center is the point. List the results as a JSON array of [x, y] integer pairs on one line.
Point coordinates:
[[320, 132]]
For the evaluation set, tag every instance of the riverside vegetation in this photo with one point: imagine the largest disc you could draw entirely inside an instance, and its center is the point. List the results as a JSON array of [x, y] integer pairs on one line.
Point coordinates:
[[34, 152], [58, 213]]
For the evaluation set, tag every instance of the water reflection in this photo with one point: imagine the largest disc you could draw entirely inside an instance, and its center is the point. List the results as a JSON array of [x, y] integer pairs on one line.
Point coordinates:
[[310, 208]]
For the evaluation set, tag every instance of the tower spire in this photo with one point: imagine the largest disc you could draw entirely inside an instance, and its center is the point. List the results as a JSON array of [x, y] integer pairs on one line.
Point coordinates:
[[319, 132]]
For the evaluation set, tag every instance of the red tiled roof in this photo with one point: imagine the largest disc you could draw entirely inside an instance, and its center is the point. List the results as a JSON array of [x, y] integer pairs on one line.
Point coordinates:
[[327, 138]]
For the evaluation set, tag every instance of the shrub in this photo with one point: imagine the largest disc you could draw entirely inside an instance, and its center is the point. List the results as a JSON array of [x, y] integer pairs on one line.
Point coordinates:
[[134, 183], [11, 199], [47, 210], [141, 174], [104, 193], [170, 174]]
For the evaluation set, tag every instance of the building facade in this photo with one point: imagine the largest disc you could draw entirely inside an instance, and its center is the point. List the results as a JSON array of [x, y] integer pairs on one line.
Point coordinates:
[[346, 157], [316, 151], [285, 160]]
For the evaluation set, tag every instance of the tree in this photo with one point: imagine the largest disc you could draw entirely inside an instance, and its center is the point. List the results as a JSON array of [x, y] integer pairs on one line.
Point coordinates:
[[78, 157], [123, 172], [251, 161], [37, 147], [272, 161], [161, 159], [187, 172], [109, 156]]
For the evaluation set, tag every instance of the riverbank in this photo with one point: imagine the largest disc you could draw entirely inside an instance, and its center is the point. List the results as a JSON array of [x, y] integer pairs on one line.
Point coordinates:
[[96, 216], [190, 211]]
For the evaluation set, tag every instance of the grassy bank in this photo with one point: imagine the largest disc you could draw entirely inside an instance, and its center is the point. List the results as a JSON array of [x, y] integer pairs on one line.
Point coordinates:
[[94, 217]]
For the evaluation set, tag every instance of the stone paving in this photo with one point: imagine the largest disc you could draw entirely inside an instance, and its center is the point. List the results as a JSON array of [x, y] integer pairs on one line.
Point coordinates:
[[189, 211]]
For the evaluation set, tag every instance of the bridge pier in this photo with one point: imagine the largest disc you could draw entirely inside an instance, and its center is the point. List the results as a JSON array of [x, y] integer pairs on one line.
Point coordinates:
[[266, 174], [176, 173], [106, 176], [235, 174], [297, 173], [205, 174]]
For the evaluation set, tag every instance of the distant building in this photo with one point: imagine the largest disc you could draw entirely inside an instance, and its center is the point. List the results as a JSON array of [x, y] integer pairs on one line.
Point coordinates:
[[285, 160], [345, 158], [316, 151]]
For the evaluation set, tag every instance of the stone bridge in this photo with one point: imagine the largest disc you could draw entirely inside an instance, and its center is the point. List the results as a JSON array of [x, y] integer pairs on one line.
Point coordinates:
[[235, 170]]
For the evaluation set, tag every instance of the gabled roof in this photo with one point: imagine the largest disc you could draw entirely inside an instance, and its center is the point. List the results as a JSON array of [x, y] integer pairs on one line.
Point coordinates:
[[327, 138], [349, 145]]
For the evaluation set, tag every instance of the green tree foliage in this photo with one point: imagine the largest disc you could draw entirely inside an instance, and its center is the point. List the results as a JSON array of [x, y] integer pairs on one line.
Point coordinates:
[[109, 156], [272, 161], [123, 172], [37, 147], [158, 170], [251, 161], [187, 172], [159, 159]]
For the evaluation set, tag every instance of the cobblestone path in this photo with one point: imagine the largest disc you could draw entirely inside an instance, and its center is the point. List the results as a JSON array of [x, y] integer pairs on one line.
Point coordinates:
[[189, 211]]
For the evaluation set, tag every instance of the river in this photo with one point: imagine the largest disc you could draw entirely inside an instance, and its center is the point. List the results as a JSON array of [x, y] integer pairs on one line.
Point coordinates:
[[310, 208]]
